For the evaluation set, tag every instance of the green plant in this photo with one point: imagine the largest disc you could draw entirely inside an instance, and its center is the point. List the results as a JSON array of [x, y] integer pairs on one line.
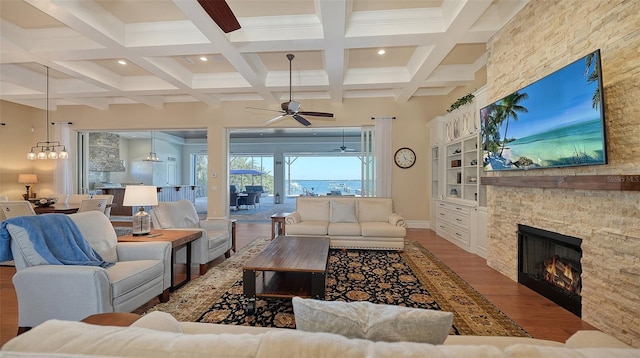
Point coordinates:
[[461, 102]]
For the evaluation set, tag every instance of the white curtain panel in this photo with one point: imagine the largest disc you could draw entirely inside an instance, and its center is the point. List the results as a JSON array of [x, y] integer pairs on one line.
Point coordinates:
[[367, 164], [62, 178], [383, 152]]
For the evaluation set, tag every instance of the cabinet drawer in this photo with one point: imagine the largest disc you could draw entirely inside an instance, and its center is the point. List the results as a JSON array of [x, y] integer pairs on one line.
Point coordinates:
[[443, 228], [460, 209], [459, 219], [460, 237], [443, 214]]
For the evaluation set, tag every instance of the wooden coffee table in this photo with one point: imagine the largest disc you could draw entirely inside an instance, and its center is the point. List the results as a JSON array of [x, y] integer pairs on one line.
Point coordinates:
[[289, 266]]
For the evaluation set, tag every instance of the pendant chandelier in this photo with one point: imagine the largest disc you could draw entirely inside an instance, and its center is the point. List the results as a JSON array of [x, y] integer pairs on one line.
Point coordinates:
[[47, 149], [153, 157]]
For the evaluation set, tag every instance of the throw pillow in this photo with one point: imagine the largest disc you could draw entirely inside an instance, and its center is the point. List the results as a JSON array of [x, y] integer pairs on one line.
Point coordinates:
[[21, 237], [373, 209], [343, 211], [313, 209], [371, 321], [159, 321]]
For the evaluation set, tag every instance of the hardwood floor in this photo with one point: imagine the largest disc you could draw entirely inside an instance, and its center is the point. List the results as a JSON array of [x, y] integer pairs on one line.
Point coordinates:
[[537, 315]]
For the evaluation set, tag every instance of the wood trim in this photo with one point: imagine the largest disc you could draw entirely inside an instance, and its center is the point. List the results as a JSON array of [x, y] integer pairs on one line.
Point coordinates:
[[584, 182]]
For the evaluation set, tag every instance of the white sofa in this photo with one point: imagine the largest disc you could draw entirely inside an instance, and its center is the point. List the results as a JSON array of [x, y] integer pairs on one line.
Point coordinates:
[[159, 335], [350, 222]]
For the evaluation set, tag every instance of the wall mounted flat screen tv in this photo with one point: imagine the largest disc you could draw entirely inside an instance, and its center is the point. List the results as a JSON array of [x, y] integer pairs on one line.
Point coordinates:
[[557, 121]]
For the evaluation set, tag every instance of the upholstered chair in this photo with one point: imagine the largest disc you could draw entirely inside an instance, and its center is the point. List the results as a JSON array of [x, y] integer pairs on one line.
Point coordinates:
[[77, 198], [142, 271], [182, 214], [107, 210], [93, 205], [11, 209]]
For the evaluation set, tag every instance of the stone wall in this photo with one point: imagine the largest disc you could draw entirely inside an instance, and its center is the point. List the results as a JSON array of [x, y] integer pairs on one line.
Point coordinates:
[[542, 38], [104, 152]]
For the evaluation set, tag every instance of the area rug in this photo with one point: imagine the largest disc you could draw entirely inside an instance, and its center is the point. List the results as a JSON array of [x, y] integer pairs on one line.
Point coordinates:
[[413, 278]]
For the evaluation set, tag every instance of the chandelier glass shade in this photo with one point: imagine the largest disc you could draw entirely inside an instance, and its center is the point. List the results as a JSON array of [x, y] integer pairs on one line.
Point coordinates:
[[48, 149]]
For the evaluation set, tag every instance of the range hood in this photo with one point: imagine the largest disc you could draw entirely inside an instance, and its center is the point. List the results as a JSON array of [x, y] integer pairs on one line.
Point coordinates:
[[104, 153]]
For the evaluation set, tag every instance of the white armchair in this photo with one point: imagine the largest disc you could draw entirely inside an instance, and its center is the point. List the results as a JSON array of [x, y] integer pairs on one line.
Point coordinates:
[[182, 214], [141, 272]]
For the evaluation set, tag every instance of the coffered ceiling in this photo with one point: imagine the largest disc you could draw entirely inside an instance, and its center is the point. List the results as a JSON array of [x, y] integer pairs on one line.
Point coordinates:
[[174, 52]]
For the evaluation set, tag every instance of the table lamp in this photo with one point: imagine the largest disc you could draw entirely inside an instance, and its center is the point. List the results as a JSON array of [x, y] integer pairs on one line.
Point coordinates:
[[141, 196], [27, 180]]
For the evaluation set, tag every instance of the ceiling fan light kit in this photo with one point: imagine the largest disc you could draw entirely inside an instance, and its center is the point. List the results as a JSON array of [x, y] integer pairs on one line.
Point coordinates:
[[292, 108]]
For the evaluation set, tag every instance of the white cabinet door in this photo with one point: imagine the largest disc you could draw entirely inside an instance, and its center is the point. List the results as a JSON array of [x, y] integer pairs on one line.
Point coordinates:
[[481, 239]]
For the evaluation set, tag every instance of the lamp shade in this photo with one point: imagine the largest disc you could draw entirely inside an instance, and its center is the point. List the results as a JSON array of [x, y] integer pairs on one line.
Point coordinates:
[[140, 195], [27, 178]]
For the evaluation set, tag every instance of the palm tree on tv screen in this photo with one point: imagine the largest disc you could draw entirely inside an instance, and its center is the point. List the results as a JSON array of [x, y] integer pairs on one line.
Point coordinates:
[[593, 76], [510, 108], [491, 118]]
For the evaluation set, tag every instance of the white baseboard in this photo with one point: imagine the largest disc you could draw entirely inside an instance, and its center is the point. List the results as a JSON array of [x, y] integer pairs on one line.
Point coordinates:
[[417, 224]]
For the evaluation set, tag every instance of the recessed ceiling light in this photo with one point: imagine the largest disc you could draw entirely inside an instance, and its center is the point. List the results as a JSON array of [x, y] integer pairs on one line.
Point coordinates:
[[122, 62], [381, 51], [203, 58]]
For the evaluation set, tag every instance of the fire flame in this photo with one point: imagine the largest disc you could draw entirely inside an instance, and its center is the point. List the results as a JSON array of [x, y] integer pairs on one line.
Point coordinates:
[[566, 278]]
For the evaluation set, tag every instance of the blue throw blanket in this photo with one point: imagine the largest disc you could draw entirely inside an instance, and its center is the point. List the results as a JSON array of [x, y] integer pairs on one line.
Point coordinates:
[[55, 237]]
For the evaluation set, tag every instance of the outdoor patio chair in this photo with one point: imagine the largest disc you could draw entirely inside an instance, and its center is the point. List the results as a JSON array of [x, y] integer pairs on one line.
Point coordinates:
[[250, 199], [233, 200]]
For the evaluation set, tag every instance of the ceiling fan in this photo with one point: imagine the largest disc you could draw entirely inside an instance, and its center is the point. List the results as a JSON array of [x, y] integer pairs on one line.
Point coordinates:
[[343, 148], [221, 14], [292, 108]]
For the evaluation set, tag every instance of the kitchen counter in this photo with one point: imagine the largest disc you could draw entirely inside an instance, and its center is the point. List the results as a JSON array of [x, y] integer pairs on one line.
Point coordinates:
[[165, 193]]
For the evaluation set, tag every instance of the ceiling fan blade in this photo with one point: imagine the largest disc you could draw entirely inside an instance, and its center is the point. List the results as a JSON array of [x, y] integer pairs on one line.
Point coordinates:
[[221, 14], [317, 114], [274, 119], [265, 109], [302, 121]]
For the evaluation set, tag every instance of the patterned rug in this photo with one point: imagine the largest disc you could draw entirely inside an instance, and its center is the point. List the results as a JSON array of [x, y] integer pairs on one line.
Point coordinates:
[[413, 278]]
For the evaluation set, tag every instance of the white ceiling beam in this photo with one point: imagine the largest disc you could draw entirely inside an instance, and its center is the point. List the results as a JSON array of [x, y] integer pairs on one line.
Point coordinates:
[[458, 17], [333, 15], [97, 103], [205, 24], [87, 18]]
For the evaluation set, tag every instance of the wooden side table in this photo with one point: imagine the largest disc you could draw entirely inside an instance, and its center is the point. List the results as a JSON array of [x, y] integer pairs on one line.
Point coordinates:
[[277, 224], [233, 235], [120, 319], [178, 240]]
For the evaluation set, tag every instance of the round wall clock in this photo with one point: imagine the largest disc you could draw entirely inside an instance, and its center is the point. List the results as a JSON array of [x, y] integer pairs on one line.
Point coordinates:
[[405, 158]]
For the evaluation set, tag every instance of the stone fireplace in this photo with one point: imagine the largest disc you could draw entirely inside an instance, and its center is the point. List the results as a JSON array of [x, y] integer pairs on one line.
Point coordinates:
[[549, 263], [606, 221]]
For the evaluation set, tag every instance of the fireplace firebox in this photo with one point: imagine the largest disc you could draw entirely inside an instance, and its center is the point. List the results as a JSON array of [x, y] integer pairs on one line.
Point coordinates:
[[549, 263]]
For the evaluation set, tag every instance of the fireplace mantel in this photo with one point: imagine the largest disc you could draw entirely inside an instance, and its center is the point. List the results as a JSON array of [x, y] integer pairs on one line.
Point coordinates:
[[583, 182]]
